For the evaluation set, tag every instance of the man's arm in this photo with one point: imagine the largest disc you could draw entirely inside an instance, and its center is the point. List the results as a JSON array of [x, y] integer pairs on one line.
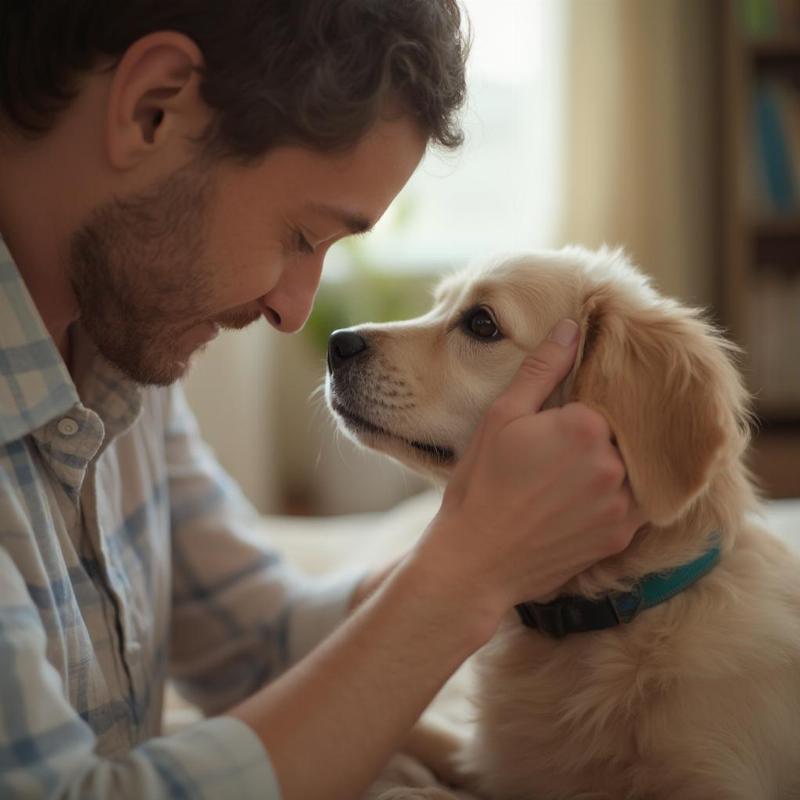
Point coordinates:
[[536, 499], [241, 614], [331, 722], [47, 750]]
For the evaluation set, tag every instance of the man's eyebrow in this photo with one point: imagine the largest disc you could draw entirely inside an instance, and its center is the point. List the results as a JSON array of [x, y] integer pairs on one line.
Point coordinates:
[[355, 223]]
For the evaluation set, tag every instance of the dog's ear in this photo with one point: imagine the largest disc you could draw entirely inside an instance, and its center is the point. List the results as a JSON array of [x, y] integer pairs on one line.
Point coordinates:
[[659, 375]]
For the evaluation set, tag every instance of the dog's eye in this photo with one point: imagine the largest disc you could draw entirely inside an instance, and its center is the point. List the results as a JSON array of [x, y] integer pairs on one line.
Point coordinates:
[[479, 323]]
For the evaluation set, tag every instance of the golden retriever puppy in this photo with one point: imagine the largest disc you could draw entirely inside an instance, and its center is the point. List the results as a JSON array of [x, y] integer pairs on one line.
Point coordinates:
[[692, 690]]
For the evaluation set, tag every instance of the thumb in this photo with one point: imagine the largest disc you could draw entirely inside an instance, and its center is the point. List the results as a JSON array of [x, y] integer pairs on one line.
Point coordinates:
[[541, 372]]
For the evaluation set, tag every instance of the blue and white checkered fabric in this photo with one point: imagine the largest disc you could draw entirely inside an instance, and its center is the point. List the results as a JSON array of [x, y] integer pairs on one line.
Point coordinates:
[[125, 558]]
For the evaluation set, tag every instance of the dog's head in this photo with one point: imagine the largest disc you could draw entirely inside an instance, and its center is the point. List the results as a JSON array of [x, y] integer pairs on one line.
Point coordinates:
[[661, 376]]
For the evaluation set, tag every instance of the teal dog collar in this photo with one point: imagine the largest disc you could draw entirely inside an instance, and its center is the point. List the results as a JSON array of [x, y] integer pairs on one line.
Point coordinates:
[[578, 614]]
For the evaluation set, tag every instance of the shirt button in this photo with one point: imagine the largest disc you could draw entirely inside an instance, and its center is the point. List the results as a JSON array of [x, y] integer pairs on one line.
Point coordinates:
[[68, 427]]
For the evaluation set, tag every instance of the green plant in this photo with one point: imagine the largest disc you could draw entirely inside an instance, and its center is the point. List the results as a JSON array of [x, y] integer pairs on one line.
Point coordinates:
[[367, 293]]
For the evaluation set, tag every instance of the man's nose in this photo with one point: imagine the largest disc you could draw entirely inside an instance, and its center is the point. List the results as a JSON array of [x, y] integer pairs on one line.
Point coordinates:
[[344, 345], [290, 301]]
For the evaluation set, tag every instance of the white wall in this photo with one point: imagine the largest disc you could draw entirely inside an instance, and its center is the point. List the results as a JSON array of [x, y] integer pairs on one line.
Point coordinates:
[[232, 388]]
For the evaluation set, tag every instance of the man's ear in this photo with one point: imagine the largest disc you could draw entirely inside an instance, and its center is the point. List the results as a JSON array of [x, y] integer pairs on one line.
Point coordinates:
[[664, 381], [154, 99]]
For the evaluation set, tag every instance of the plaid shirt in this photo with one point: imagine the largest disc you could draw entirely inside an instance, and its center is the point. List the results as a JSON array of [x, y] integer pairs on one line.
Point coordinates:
[[125, 557]]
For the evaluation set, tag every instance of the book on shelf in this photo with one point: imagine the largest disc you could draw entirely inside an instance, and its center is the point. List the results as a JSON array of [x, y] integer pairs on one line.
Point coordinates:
[[775, 147]]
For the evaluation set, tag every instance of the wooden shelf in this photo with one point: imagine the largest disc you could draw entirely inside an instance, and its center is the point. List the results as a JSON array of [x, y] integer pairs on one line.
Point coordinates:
[[784, 46], [777, 226], [776, 242], [774, 458], [772, 422], [755, 246]]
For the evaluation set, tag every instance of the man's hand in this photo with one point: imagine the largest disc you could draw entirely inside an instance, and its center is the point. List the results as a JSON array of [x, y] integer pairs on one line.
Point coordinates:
[[538, 496]]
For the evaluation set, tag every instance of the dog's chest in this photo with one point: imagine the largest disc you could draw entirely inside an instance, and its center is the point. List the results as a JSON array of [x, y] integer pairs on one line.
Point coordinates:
[[611, 710], [552, 709]]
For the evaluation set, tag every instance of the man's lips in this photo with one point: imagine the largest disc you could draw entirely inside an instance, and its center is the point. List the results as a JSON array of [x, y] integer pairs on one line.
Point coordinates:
[[201, 333], [439, 453]]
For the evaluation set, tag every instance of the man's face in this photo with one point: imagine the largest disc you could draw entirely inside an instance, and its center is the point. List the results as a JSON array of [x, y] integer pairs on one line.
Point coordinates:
[[220, 245]]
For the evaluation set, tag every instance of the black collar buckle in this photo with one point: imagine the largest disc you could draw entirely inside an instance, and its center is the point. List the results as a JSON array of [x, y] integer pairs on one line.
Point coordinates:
[[576, 614], [569, 614], [547, 618]]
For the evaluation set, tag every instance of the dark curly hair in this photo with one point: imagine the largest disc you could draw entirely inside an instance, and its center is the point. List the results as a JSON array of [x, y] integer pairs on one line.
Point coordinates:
[[311, 72]]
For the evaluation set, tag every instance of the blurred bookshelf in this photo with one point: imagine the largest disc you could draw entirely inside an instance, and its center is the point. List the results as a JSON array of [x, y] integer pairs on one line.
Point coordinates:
[[760, 201]]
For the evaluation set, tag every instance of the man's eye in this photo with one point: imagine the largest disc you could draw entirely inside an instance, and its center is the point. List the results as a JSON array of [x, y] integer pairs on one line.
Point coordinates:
[[479, 323]]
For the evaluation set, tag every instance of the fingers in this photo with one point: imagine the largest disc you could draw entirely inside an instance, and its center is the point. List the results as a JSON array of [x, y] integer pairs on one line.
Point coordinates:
[[591, 546], [615, 537], [539, 374]]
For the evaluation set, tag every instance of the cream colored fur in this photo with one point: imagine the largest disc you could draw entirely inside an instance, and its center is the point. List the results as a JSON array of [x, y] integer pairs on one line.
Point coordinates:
[[696, 699]]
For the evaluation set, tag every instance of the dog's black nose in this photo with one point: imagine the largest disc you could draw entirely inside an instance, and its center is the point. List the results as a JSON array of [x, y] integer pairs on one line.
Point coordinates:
[[342, 346]]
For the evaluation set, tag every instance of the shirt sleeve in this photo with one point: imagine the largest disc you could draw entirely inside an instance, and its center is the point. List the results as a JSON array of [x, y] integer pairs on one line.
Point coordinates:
[[48, 751], [241, 614]]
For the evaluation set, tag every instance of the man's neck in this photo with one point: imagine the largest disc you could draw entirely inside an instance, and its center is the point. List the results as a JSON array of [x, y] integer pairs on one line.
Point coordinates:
[[56, 314]]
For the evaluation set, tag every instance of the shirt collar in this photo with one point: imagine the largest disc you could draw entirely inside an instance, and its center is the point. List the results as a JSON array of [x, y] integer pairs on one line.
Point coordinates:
[[35, 385]]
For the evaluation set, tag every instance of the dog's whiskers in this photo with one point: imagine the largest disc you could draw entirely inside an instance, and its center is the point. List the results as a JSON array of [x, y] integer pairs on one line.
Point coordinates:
[[317, 393]]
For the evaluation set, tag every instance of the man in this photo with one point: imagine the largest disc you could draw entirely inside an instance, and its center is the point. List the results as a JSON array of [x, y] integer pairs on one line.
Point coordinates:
[[170, 169]]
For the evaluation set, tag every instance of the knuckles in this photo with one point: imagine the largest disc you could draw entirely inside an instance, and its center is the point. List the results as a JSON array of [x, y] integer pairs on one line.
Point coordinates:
[[585, 426], [608, 475], [536, 369], [617, 510], [618, 541]]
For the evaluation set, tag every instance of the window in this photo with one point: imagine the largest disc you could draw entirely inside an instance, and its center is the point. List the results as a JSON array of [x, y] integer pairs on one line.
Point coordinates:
[[502, 190]]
